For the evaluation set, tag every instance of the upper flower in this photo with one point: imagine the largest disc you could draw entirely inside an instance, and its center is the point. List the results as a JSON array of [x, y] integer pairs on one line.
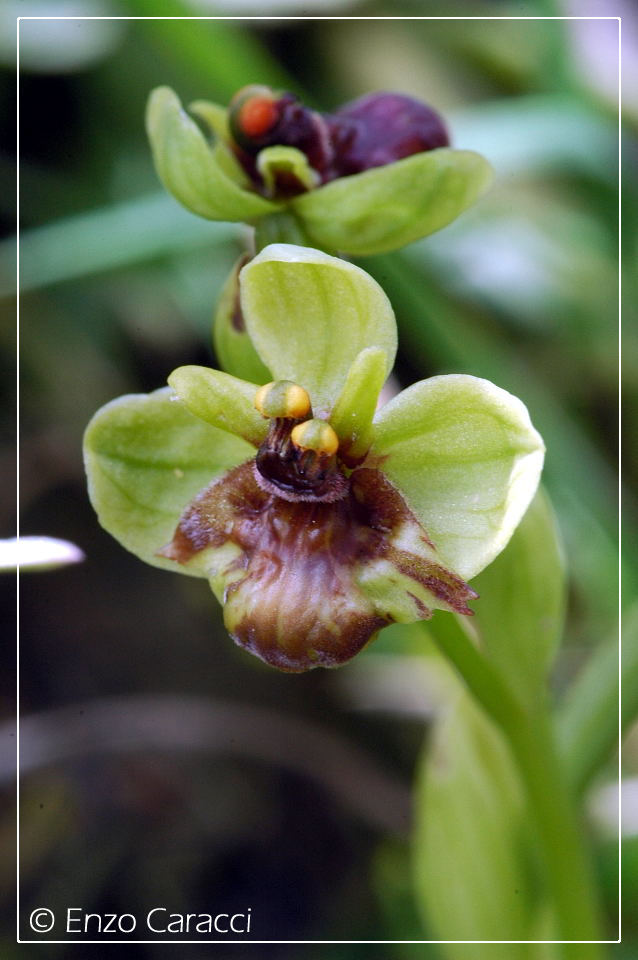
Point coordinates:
[[372, 176], [316, 520]]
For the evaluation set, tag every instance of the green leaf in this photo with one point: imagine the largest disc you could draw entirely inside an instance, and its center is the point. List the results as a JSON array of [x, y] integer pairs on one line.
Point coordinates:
[[471, 862], [233, 347], [354, 410], [310, 315], [221, 400], [146, 457], [467, 459], [385, 208], [520, 614], [272, 161], [189, 169]]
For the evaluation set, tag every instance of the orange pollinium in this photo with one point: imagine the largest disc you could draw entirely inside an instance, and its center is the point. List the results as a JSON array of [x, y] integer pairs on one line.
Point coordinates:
[[257, 115]]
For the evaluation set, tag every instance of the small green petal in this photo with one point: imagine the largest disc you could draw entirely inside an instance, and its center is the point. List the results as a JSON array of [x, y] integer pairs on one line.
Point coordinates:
[[272, 161], [385, 208], [214, 116], [221, 400], [353, 412], [467, 459], [146, 457], [310, 315], [189, 168], [233, 347]]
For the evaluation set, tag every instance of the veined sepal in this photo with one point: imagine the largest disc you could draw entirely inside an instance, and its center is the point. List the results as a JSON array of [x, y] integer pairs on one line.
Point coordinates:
[[387, 207], [234, 348], [333, 311], [189, 168], [146, 457]]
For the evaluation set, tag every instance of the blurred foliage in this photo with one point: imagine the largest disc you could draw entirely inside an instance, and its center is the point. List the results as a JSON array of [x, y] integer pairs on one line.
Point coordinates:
[[119, 288]]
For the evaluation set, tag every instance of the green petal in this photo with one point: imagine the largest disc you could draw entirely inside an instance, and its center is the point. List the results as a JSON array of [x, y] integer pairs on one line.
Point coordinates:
[[310, 315], [146, 457], [221, 400], [467, 459], [272, 161], [189, 168], [354, 410], [233, 347], [385, 208], [214, 116]]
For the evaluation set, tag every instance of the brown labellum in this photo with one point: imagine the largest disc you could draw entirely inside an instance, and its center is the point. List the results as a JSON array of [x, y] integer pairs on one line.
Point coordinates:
[[291, 588]]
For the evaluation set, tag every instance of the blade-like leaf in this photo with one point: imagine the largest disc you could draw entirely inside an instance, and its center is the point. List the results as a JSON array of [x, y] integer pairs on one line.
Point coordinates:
[[310, 315], [520, 614], [146, 457], [467, 459], [385, 208], [471, 871], [189, 169]]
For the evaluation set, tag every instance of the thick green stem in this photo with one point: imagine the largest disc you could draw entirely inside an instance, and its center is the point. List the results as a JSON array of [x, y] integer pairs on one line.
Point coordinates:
[[531, 740], [279, 228]]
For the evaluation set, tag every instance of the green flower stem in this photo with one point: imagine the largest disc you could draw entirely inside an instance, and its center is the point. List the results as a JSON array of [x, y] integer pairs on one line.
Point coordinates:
[[280, 228], [531, 740]]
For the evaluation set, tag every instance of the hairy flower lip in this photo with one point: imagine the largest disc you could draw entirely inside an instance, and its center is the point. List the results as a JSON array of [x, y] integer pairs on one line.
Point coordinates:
[[294, 586]]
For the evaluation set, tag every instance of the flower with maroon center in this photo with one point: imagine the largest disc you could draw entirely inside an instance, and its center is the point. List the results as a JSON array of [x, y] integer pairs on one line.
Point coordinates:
[[369, 177], [316, 520]]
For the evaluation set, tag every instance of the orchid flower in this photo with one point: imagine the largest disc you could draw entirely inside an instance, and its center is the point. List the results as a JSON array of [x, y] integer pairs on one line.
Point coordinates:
[[373, 176], [316, 518]]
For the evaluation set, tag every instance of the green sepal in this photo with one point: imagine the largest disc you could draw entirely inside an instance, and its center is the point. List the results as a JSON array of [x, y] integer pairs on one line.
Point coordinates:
[[309, 316], [353, 412], [146, 457], [218, 398], [386, 207], [272, 161], [233, 347], [464, 454], [191, 170]]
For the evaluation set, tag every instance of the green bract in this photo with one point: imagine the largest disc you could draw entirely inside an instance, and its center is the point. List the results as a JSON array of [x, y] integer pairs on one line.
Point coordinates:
[[372, 212], [312, 551]]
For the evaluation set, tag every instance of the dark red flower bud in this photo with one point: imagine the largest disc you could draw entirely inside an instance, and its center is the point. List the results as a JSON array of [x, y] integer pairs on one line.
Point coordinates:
[[380, 128], [260, 118], [373, 131]]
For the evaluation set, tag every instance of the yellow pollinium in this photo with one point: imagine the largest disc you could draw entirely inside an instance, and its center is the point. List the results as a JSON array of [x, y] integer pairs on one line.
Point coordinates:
[[283, 398], [315, 435]]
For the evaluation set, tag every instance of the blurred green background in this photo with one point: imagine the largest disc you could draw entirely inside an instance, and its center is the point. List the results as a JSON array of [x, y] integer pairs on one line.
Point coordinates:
[[162, 765]]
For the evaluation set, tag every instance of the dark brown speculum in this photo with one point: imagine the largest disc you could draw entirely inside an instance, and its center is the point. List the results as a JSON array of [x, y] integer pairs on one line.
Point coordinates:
[[293, 567]]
